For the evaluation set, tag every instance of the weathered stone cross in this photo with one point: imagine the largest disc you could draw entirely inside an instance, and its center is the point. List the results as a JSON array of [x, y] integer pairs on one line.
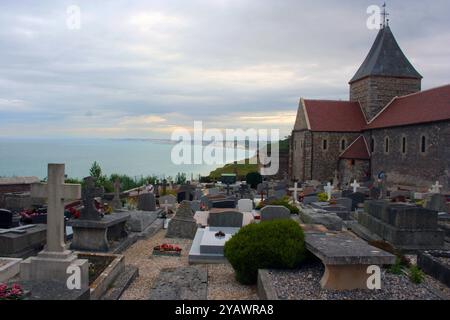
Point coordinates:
[[436, 188], [355, 186], [56, 191], [295, 189], [328, 188]]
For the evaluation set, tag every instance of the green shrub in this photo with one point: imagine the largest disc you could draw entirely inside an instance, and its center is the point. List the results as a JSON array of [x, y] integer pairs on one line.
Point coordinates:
[[397, 267], [277, 244], [416, 275], [253, 179], [323, 197]]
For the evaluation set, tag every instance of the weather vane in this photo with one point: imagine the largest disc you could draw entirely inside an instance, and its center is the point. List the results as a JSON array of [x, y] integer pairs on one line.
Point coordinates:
[[385, 15]]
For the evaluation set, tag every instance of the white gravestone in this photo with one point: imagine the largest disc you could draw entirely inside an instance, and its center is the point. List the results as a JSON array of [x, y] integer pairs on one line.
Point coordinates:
[[436, 188], [328, 189], [245, 205], [355, 185]]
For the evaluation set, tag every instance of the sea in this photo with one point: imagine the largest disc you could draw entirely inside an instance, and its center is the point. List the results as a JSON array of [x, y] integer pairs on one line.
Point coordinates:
[[133, 157]]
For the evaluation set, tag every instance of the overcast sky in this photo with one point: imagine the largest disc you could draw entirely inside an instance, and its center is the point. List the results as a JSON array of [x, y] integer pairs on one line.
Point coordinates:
[[139, 69]]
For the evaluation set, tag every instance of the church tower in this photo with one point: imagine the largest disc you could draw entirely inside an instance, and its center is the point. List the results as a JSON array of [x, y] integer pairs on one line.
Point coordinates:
[[384, 74]]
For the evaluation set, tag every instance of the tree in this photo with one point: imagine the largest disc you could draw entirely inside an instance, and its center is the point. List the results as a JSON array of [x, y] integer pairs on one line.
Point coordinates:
[[253, 179]]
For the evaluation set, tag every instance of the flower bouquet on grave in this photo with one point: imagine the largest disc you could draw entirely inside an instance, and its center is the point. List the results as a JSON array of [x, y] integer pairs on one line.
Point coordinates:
[[14, 292], [166, 249], [219, 235]]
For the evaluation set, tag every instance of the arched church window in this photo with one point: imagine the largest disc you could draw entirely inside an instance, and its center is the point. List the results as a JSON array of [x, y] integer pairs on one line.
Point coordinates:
[[386, 145], [343, 144], [403, 144], [325, 144], [423, 144], [372, 145]]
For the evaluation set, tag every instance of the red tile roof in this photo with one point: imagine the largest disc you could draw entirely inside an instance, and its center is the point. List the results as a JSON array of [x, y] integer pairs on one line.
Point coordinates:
[[337, 116], [357, 150], [421, 107]]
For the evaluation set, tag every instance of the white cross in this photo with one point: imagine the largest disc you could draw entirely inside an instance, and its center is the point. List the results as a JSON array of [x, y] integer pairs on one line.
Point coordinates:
[[355, 186], [56, 191], [328, 188], [436, 188], [295, 189]]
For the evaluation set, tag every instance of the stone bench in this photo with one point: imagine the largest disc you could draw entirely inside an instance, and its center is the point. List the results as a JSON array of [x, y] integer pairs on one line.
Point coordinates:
[[346, 259]]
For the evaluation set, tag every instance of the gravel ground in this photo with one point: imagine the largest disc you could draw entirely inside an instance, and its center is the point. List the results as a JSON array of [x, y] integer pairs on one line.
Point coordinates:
[[303, 284], [221, 281]]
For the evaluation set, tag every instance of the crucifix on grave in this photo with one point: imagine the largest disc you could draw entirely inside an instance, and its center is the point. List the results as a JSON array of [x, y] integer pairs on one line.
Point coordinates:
[[164, 187], [90, 192], [355, 185], [436, 188], [328, 189], [295, 189], [52, 263], [116, 202], [56, 191]]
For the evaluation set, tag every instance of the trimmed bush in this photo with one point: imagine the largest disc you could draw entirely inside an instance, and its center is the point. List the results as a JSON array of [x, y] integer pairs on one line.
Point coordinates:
[[277, 244], [253, 179]]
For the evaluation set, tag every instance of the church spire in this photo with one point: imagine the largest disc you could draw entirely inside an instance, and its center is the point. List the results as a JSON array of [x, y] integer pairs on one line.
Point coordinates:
[[386, 58]]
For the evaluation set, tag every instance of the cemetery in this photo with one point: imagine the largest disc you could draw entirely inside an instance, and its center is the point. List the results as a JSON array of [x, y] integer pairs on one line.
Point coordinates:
[[226, 240]]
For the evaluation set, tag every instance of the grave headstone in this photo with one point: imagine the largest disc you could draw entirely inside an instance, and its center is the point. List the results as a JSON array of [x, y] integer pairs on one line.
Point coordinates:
[[146, 202], [245, 205], [436, 202], [167, 201], [195, 205], [345, 202], [356, 198], [231, 219], [89, 193], [183, 224], [310, 199], [328, 189], [6, 219], [275, 212], [53, 261], [185, 192]]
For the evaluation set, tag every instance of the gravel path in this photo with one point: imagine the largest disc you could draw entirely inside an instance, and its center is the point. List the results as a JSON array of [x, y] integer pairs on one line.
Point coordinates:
[[221, 281], [303, 284]]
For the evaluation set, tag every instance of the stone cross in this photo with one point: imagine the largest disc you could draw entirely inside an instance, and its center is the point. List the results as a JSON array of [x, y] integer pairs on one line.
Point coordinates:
[[295, 189], [90, 191], [355, 186], [56, 191], [117, 204], [436, 188], [328, 189]]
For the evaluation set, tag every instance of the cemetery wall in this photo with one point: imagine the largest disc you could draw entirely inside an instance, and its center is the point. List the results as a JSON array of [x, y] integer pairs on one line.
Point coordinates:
[[413, 168], [12, 188], [325, 161], [374, 93], [349, 170]]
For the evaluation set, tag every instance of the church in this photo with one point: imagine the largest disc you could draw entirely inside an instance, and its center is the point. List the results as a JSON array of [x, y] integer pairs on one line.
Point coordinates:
[[388, 126]]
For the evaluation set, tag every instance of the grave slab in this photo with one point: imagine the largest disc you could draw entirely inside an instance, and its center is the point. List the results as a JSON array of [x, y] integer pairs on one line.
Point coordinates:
[[346, 259]]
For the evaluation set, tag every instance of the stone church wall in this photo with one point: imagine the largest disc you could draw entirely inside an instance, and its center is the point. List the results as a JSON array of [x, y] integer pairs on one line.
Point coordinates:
[[413, 168], [325, 162], [374, 93]]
